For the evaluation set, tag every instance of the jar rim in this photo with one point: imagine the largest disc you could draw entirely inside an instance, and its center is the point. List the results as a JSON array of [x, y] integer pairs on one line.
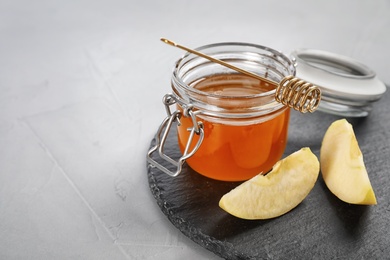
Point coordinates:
[[258, 59], [238, 44]]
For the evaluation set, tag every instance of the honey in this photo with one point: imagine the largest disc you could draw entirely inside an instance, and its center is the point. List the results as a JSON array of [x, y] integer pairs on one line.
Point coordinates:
[[230, 126], [235, 150]]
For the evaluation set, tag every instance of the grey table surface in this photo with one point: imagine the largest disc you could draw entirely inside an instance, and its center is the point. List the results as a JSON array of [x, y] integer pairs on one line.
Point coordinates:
[[81, 84]]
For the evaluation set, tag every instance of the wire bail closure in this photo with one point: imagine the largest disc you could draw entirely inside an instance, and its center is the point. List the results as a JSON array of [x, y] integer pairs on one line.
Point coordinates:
[[163, 131]]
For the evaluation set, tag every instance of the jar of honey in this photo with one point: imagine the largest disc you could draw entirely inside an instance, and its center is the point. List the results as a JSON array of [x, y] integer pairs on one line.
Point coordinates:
[[229, 126]]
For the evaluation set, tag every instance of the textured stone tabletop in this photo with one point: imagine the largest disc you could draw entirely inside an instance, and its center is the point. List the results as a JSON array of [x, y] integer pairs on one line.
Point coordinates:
[[81, 84]]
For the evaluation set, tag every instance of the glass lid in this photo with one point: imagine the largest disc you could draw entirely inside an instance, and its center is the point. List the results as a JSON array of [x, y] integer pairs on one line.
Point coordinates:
[[349, 88]]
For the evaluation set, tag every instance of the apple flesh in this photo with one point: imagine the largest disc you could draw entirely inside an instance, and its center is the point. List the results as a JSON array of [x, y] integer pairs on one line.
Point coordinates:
[[278, 192], [342, 165]]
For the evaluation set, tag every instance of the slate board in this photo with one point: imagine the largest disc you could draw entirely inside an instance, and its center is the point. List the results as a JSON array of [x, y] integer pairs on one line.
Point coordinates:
[[321, 227]]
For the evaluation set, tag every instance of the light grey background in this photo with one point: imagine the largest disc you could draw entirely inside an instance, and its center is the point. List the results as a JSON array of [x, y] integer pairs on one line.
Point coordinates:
[[81, 84]]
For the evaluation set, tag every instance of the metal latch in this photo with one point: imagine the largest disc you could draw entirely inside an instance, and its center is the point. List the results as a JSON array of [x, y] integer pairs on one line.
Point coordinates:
[[163, 131]]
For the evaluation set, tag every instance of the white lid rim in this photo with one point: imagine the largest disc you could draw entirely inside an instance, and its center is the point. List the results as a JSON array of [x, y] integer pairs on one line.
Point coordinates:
[[364, 86]]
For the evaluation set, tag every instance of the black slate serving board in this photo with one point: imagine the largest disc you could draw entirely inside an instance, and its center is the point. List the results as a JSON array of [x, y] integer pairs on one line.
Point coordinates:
[[321, 227]]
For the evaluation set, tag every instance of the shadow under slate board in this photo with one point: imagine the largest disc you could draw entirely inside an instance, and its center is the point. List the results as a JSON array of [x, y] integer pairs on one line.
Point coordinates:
[[321, 227]]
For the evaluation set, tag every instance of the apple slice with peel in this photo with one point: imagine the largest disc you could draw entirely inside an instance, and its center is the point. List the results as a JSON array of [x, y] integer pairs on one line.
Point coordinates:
[[342, 165], [274, 194]]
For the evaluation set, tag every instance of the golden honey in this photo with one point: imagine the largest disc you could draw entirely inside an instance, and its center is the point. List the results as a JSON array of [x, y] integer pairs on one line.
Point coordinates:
[[236, 150], [230, 126]]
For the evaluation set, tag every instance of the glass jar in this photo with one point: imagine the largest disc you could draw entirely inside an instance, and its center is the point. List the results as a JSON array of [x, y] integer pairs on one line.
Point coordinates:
[[230, 127]]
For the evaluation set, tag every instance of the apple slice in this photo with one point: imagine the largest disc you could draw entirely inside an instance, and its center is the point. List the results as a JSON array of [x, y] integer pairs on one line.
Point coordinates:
[[274, 194], [342, 165]]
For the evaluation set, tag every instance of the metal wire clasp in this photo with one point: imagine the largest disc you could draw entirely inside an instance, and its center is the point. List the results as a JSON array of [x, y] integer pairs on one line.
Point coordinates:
[[163, 132]]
